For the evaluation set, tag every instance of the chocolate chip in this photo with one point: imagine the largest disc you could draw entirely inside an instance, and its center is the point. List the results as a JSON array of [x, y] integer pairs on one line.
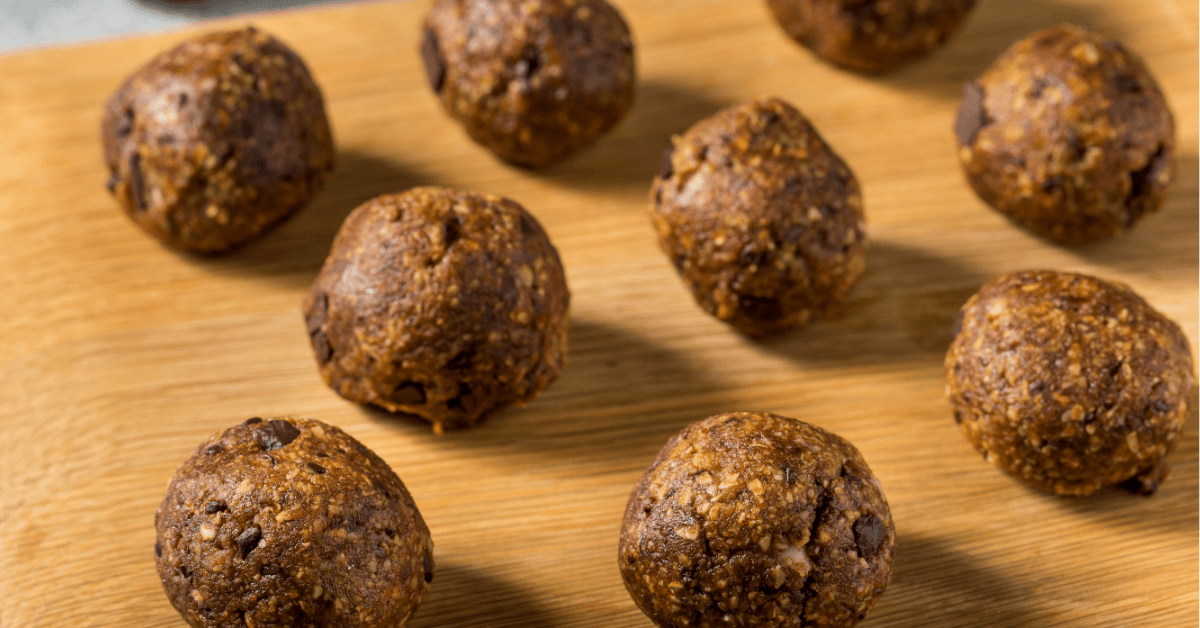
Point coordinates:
[[215, 507], [1037, 387], [435, 65], [253, 421], [869, 534], [1039, 87], [528, 64], [1145, 484], [462, 361], [957, 417], [409, 394], [275, 434], [316, 467], [391, 533], [528, 227], [1127, 84], [381, 487], [277, 107], [1141, 184], [971, 114], [213, 450], [1051, 184], [248, 540], [125, 123], [271, 570], [665, 167], [183, 100], [321, 346], [158, 549], [789, 476], [137, 195], [451, 231], [322, 454], [427, 560], [319, 314], [247, 129], [1162, 406], [764, 309]]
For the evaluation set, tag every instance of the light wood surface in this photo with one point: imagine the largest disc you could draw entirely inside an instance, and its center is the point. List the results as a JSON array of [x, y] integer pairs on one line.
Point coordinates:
[[117, 357]]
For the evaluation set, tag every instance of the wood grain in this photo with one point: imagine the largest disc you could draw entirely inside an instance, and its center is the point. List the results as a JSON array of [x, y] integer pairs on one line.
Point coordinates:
[[117, 357]]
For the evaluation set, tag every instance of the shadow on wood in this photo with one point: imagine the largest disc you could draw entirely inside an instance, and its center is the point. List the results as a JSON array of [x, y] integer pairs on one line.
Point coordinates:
[[903, 310], [467, 596], [619, 162], [616, 403], [295, 251]]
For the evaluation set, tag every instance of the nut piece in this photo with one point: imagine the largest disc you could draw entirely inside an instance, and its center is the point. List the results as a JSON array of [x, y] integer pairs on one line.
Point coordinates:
[[1069, 383], [290, 522], [217, 141], [870, 36], [441, 304], [1068, 135], [761, 218], [753, 519], [534, 81]]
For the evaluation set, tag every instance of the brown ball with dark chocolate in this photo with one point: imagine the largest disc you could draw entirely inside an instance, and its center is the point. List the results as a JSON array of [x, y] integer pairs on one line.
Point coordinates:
[[761, 218], [440, 304], [290, 522], [534, 81], [871, 36], [754, 519], [217, 141], [1069, 383], [1068, 135]]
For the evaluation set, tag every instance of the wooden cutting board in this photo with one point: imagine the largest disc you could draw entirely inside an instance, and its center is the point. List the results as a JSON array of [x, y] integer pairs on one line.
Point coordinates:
[[117, 356]]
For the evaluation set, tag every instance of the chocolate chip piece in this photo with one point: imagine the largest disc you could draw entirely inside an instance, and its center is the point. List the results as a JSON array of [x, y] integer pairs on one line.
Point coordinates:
[[125, 124], [869, 534], [1145, 485], [451, 231], [435, 65], [665, 167], [461, 361], [321, 346], [528, 64], [319, 314], [215, 507], [253, 421], [1162, 406], [137, 195], [248, 540], [761, 308], [275, 434], [428, 564], [1127, 84], [213, 450], [317, 468], [971, 115], [409, 394], [158, 549], [271, 570]]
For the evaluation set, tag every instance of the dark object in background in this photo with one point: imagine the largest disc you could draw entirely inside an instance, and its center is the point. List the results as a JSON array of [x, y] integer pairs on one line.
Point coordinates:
[[871, 36], [440, 304], [291, 522], [763, 221], [1068, 135], [534, 82], [217, 141], [1069, 383], [754, 519]]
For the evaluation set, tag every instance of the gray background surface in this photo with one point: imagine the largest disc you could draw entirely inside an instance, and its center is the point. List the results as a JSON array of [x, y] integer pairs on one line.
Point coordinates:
[[30, 23]]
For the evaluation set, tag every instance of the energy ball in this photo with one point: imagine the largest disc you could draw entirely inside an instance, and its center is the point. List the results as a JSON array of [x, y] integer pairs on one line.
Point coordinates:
[[290, 522], [440, 304], [754, 519], [217, 141], [761, 218], [1068, 135], [534, 81], [870, 36], [1069, 383]]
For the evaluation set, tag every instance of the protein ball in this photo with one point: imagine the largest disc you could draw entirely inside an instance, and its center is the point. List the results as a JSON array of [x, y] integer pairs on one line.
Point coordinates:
[[440, 304], [1069, 383], [215, 142], [534, 81], [1068, 135], [761, 218], [870, 36], [290, 522], [754, 519]]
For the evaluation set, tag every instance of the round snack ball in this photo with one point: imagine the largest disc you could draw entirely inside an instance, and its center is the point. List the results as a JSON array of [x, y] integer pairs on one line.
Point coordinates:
[[290, 522], [1069, 383], [441, 304], [754, 519], [1068, 135], [532, 80], [761, 218], [217, 141], [870, 36]]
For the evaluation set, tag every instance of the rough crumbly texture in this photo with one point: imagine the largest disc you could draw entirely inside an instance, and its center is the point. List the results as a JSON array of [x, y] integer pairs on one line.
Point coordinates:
[[441, 304], [217, 141], [870, 36], [1068, 135], [761, 218], [1069, 383], [290, 523], [532, 80], [753, 519]]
